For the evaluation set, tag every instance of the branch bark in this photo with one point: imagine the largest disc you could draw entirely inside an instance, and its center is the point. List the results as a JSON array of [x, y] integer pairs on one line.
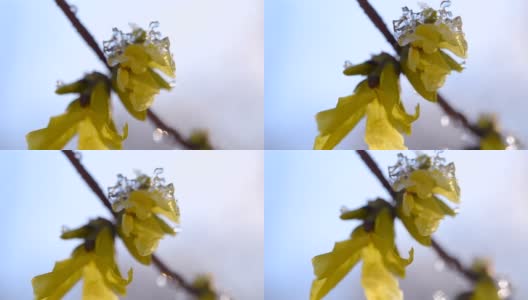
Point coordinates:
[[90, 41], [176, 278], [450, 260], [442, 101]]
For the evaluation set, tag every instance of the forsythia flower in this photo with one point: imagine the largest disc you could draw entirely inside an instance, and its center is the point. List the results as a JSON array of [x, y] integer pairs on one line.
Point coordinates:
[[136, 57], [381, 261], [95, 264], [421, 181], [89, 116], [423, 35], [140, 204], [377, 97]]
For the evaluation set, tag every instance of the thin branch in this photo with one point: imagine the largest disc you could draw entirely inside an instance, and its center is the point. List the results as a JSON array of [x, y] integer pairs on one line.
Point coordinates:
[[173, 132], [85, 34], [90, 40], [373, 166], [442, 101], [177, 279], [449, 259]]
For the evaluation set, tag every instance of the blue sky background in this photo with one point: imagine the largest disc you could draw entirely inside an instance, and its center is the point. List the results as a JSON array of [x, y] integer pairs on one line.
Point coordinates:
[[306, 189], [307, 42], [217, 47], [220, 195]]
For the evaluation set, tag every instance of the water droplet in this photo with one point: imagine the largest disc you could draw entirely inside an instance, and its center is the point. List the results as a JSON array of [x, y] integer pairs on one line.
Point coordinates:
[[64, 229], [78, 155], [158, 135], [456, 210], [445, 121], [439, 265], [177, 229], [439, 295], [505, 290], [510, 140], [465, 137], [343, 209], [172, 84], [73, 9], [161, 281], [347, 64]]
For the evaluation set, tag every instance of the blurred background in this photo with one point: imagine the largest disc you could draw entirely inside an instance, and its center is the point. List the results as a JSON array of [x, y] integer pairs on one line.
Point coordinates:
[[305, 191], [217, 47], [307, 43], [220, 195]]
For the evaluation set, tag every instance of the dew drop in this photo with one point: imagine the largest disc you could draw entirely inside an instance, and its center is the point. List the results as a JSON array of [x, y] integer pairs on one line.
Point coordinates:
[[60, 83], [445, 121], [73, 9], [64, 229], [177, 229], [161, 281], [505, 290], [439, 265], [78, 155], [510, 140], [343, 209], [347, 64], [158, 135], [439, 295]]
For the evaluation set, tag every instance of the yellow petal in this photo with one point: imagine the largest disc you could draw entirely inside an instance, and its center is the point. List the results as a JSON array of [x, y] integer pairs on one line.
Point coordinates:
[[56, 284], [336, 123], [89, 138], [380, 134], [127, 224], [122, 79], [332, 267], [94, 287], [59, 132], [377, 281]]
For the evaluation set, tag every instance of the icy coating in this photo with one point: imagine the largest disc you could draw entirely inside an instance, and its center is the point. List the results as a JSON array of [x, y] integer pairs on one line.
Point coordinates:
[[405, 166], [116, 46], [407, 24], [119, 193]]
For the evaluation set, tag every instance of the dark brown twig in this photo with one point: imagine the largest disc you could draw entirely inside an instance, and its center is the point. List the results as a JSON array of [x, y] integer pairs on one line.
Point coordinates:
[[450, 260], [90, 40], [177, 279], [373, 166], [444, 104], [173, 132]]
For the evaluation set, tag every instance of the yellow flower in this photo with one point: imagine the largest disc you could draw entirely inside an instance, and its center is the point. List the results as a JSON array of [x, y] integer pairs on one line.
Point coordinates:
[[377, 98], [381, 261], [89, 117], [136, 57], [142, 203], [422, 181], [423, 35], [95, 265]]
